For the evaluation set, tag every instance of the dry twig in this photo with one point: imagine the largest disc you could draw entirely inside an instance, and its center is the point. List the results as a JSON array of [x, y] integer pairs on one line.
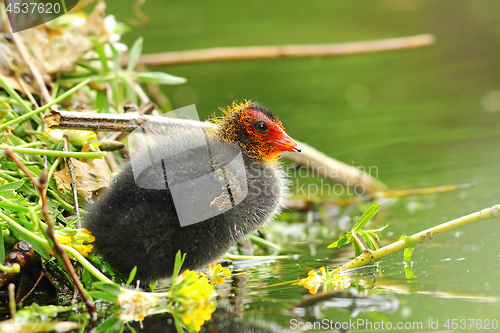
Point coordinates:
[[284, 51], [126, 122], [34, 71], [71, 168], [325, 166], [329, 168]]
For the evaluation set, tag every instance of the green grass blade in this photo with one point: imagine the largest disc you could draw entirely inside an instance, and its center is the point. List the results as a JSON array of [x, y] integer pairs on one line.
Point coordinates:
[[11, 186], [367, 216], [369, 241], [160, 78], [134, 54], [116, 59], [54, 153], [28, 237], [179, 260], [110, 288], [344, 239], [99, 48], [12, 93], [28, 115], [2, 249], [103, 295], [131, 276], [14, 207]]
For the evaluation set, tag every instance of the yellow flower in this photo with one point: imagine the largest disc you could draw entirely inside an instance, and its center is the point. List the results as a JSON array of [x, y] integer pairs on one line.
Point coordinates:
[[76, 241], [83, 249], [216, 274], [195, 299], [196, 317], [84, 235], [327, 279], [313, 280], [63, 238], [135, 305], [198, 291], [74, 136], [339, 281]]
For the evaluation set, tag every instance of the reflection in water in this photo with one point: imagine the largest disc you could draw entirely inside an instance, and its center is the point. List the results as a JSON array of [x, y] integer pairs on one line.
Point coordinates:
[[228, 317], [411, 286], [351, 300], [221, 322]]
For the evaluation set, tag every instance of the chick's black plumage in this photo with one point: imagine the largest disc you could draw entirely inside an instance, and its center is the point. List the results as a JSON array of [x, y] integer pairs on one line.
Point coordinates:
[[139, 226]]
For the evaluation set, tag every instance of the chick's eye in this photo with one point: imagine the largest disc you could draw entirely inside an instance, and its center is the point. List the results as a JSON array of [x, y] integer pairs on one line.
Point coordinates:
[[261, 127]]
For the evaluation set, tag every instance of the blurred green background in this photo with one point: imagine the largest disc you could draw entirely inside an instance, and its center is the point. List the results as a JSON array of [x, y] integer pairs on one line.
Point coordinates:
[[411, 113], [424, 117]]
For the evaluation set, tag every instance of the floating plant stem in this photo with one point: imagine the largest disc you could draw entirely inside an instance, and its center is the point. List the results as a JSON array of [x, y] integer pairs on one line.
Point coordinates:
[[368, 257]]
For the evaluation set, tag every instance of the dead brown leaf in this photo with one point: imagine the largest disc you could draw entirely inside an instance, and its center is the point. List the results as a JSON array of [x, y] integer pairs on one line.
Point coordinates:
[[54, 50], [92, 175]]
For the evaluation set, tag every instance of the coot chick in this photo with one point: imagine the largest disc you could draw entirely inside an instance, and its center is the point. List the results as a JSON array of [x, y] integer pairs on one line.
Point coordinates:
[[143, 222]]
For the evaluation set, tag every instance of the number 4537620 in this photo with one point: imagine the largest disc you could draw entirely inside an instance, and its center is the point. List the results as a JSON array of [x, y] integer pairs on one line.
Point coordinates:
[[484, 324], [33, 8]]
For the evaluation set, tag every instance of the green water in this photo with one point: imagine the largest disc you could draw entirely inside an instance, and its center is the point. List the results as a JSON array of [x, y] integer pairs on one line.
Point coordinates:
[[423, 118]]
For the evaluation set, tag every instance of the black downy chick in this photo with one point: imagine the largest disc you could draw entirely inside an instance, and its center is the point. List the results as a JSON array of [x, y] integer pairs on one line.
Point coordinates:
[[138, 223]]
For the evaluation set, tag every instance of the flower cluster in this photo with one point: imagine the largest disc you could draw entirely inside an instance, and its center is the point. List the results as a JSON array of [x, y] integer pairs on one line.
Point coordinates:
[[76, 239], [135, 305], [326, 279], [194, 299], [216, 274], [190, 300], [74, 136]]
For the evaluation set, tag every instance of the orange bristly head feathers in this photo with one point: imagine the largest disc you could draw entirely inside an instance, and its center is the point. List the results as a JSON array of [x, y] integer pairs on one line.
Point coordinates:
[[257, 132]]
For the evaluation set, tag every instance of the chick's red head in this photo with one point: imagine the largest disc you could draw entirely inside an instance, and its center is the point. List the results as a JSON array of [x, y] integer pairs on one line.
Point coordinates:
[[258, 132]]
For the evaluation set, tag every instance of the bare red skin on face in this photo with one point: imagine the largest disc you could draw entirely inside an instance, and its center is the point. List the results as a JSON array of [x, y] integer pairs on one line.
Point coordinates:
[[271, 142], [265, 143]]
